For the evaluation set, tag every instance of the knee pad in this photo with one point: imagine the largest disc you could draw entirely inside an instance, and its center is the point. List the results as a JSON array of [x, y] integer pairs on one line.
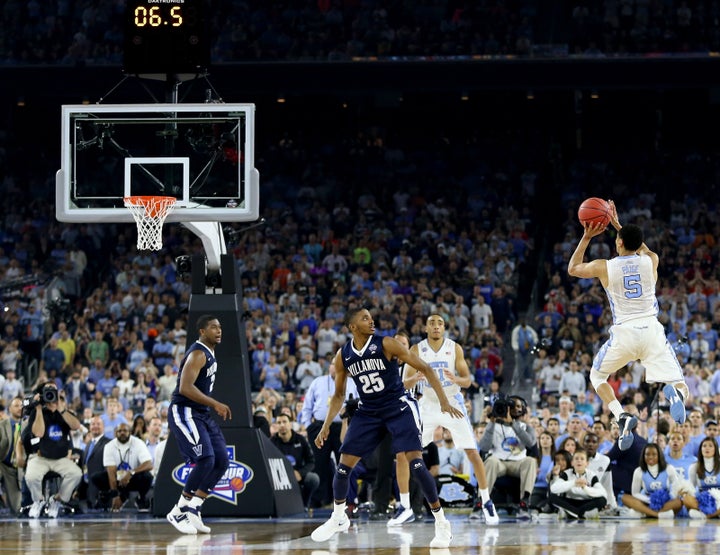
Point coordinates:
[[597, 379]]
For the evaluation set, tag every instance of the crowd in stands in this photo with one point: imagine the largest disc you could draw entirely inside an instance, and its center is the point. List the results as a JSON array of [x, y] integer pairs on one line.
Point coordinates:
[[405, 223], [91, 31]]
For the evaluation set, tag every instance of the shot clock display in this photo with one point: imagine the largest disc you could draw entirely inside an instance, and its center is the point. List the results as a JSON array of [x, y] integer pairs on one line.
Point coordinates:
[[166, 36]]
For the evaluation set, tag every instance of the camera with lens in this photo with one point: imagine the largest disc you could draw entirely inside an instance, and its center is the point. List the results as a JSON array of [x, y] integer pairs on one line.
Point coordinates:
[[501, 406], [48, 395], [351, 406], [504, 403]]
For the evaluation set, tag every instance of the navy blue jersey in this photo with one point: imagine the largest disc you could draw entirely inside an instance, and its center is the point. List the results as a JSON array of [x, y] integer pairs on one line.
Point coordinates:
[[377, 379], [204, 382]]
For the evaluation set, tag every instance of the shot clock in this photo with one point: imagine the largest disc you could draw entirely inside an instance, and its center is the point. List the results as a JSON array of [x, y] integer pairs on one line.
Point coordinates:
[[166, 36]]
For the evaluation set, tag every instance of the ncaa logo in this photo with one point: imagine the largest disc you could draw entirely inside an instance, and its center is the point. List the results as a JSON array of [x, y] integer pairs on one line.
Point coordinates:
[[233, 482]]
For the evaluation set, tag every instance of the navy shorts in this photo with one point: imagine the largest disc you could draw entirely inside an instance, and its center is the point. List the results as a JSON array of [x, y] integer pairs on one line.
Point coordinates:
[[197, 433], [368, 427]]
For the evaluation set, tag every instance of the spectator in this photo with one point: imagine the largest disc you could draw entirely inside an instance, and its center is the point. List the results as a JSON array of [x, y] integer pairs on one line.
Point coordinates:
[[11, 388], [523, 341], [297, 450], [92, 460], [53, 358], [128, 467], [307, 372], [50, 422], [577, 492], [507, 439], [166, 383], [97, 349], [112, 418], [9, 444], [451, 458]]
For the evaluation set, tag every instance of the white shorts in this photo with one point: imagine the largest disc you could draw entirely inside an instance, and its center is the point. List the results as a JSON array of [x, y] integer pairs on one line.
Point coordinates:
[[641, 339], [460, 428]]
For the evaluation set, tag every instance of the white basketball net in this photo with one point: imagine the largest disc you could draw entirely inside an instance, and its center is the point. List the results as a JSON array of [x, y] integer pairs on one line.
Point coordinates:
[[149, 213]]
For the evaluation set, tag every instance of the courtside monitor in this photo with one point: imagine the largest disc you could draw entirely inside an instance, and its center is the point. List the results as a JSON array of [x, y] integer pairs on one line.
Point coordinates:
[[200, 154]]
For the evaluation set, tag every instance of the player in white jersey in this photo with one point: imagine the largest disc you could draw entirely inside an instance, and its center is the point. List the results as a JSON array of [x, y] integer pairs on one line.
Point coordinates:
[[447, 359], [636, 334]]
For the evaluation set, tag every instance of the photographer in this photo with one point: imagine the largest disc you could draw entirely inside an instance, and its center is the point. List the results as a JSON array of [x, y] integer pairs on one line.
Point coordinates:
[[510, 443], [50, 423]]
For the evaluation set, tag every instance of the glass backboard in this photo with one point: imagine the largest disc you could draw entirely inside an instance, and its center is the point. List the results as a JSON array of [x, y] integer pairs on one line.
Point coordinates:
[[201, 154]]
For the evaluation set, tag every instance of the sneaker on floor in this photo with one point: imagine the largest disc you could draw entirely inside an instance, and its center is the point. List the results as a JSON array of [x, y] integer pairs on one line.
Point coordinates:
[[143, 505], [592, 514], [443, 535], [697, 515], [627, 512], [53, 508], [627, 423], [402, 515], [36, 508], [326, 531], [677, 405], [523, 512], [666, 515], [195, 518], [179, 520], [490, 514]]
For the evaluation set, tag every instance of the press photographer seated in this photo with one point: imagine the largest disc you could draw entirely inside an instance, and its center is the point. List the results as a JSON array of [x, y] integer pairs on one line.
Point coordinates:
[[50, 424], [510, 444], [128, 466]]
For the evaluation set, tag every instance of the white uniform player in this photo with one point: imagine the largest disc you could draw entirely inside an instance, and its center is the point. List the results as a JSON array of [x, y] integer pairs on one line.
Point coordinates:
[[443, 362], [636, 334], [447, 359]]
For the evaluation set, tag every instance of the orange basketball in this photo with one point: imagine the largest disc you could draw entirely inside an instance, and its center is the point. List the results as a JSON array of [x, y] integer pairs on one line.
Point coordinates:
[[237, 484], [594, 210]]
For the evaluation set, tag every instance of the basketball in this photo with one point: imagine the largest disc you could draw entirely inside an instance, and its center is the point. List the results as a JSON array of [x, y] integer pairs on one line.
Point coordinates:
[[237, 484], [594, 210]]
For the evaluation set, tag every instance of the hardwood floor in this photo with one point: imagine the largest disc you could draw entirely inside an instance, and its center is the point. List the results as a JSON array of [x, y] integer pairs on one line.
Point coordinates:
[[131, 534]]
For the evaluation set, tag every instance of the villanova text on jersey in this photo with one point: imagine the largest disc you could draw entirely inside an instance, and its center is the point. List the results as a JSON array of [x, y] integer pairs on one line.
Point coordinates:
[[204, 382], [377, 378]]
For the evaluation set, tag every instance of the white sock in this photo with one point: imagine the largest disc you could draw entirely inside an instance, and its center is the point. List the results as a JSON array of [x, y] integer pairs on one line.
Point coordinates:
[[196, 502], [339, 510], [184, 501], [405, 500], [616, 408], [484, 495], [439, 514]]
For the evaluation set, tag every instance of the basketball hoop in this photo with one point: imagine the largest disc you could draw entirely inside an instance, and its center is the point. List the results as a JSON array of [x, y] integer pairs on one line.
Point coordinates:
[[149, 213]]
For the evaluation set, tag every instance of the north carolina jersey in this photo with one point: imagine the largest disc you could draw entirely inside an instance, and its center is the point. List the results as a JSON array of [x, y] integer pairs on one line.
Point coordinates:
[[653, 483], [204, 382], [710, 481], [631, 287], [377, 378], [432, 417], [440, 360]]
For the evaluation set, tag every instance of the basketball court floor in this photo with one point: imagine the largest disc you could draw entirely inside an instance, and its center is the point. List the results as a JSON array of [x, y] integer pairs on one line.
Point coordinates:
[[130, 534]]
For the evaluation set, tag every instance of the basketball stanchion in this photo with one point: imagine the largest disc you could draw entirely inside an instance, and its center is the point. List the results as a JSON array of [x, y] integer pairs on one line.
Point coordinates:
[[149, 213]]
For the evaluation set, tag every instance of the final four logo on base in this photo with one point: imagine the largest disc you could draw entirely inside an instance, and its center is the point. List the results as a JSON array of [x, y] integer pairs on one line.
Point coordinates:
[[232, 483]]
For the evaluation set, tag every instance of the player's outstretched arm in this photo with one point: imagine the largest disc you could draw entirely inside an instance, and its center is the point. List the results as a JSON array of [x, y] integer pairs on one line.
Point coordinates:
[[393, 347]]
